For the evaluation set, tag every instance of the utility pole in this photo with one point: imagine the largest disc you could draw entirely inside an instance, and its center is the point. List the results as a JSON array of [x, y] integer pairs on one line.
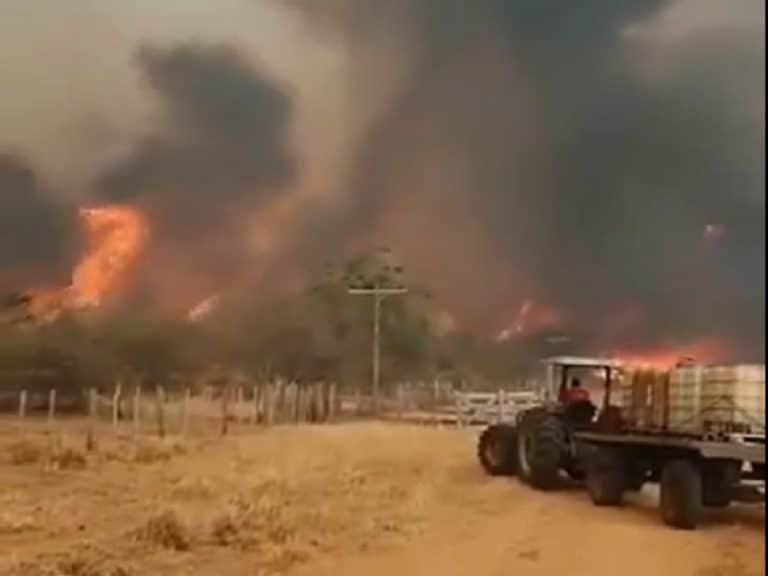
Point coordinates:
[[378, 295]]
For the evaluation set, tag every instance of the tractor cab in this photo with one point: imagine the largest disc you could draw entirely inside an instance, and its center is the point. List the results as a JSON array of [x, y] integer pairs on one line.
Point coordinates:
[[580, 390]]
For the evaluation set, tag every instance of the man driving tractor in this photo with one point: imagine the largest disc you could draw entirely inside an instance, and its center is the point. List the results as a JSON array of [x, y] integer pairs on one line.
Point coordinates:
[[578, 404], [575, 394]]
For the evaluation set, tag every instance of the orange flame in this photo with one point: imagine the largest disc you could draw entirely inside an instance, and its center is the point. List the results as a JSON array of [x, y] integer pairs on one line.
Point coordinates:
[[700, 351], [116, 236]]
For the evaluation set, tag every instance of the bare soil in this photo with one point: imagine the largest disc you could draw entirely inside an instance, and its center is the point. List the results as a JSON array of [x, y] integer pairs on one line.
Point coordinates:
[[354, 499]]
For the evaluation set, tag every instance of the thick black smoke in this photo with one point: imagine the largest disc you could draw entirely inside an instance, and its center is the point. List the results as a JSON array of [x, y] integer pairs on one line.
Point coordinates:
[[220, 150], [594, 189], [36, 237]]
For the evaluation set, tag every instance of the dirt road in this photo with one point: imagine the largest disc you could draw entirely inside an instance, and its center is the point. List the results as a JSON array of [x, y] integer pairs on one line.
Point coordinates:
[[335, 500], [536, 534]]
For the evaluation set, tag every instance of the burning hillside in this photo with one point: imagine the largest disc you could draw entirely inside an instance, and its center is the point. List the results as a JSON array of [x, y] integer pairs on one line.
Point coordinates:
[[596, 171]]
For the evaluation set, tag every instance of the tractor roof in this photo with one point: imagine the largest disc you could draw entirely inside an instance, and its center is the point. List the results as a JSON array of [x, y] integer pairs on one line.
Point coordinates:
[[583, 362]]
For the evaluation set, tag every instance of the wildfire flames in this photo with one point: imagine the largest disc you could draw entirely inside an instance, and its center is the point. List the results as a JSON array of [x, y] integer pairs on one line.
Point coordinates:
[[530, 318], [704, 351], [116, 236]]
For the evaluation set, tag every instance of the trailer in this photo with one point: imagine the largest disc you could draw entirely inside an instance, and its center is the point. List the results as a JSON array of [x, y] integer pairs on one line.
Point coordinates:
[[693, 473], [649, 427]]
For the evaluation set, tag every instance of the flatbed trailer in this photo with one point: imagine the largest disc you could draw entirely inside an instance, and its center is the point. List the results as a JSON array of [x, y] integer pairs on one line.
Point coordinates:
[[693, 472]]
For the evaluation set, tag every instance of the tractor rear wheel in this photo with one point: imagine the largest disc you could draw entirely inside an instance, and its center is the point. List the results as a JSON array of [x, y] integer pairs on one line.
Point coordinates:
[[496, 450], [606, 476], [541, 444], [681, 494]]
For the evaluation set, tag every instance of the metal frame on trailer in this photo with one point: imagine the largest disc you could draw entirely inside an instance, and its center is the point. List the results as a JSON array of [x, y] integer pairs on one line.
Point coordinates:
[[709, 449]]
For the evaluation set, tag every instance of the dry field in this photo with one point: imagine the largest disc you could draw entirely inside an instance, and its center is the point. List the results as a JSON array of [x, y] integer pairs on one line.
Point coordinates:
[[354, 499]]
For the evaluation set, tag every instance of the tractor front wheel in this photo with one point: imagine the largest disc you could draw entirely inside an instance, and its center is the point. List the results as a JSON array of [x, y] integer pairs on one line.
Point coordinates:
[[496, 450]]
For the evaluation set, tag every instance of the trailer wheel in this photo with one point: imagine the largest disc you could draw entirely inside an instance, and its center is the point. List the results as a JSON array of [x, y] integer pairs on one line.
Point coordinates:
[[540, 448], [496, 450], [681, 494], [718, 479], [606, 476]]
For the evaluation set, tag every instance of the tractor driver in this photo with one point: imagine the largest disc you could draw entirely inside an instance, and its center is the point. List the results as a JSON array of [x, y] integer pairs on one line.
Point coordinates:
[[576, 394]]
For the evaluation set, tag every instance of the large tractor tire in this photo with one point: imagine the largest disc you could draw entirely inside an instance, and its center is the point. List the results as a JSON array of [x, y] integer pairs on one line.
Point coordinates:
[[606, 478], [681, 494], [496, 450], [718, 480], [541, 444]]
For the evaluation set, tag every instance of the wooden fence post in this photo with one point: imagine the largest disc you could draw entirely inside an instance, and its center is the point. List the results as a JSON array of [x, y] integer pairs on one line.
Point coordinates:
[[224, 409], [501, 400], [358, 402], [93, 404], [22, 404], [320, 402], [160, 403], [116, 405], [293, 403], [137, 409], [239, 405], [185, 414], [285, 393], [331, 411], [255, 405], [90, 439], [268, 403], [309, 407], [307, 398], [51, 405], [301, 402]]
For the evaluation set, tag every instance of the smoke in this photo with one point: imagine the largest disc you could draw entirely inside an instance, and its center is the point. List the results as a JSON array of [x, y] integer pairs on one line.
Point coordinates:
[[572, 154], [220, 150], [36, 236], [585, 152]]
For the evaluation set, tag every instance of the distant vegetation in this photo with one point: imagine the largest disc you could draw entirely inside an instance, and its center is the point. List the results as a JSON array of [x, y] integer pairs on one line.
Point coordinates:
[[322, 333]]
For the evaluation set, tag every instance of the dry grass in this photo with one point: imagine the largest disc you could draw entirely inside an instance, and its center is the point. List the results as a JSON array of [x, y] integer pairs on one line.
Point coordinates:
[[165, 531], [24, 451], [259, 502], [67, 459], [279, 496], [150, 453]]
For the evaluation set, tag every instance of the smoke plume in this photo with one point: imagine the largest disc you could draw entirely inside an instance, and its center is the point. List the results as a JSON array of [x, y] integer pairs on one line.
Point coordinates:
[[36, 235], [585, 147], [220, 150], [602, 160]]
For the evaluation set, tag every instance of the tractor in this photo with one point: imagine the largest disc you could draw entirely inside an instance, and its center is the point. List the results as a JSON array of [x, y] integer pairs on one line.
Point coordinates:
[[695, 469], [538, 444]]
